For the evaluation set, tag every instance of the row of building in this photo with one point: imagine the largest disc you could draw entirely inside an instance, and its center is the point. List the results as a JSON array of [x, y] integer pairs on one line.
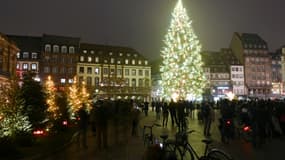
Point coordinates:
[[246, 68], [108, 71]]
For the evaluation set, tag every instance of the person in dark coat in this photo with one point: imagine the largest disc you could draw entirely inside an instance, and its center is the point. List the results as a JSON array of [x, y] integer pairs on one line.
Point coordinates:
[[83, 126]]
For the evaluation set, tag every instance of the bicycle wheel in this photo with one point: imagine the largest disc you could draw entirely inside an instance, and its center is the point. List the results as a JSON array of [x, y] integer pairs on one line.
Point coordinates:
[[170, 150], [216, 154], [185, 153]]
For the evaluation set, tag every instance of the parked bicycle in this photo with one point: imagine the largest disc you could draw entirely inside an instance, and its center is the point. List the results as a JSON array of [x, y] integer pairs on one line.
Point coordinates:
[[185, 151]]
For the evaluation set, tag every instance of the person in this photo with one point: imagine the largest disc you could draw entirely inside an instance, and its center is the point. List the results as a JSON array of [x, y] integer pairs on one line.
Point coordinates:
[[135, 121], [145, 107], [101, 120], [165, 114], [83, 125], [208, 116]]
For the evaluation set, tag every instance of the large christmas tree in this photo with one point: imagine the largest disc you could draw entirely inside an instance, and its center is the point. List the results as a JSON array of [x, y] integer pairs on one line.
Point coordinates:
[[181, 70]]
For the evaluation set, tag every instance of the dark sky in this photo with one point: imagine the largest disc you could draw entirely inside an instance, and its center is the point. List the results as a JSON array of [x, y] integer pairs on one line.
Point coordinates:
[[142, 24]]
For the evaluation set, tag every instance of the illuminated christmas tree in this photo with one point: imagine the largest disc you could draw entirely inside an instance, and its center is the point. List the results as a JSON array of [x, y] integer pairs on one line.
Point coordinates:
[[53, 109], [181, 70], [77, 97]]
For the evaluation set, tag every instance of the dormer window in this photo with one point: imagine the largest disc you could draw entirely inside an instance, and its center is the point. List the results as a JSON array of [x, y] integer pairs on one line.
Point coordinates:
[[84, 51], [63, 49], [89, 59], [71, 49], [96, 59], [92, 52], [55, 49], [47, 48], [126, 61], [135, 55], [110, 53], [121, 54]]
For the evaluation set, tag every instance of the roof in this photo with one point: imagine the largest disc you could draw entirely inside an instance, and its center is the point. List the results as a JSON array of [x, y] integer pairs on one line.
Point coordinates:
[[60, 40], [27, 43], [252, 41]]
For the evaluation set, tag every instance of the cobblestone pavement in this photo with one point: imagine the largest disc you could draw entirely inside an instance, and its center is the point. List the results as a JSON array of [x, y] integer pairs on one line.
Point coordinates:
[[132, 148]]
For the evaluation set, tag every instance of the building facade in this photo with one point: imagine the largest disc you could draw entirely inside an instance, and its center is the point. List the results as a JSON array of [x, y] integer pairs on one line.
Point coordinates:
[[114, 72], [8, 52], [252, 52]]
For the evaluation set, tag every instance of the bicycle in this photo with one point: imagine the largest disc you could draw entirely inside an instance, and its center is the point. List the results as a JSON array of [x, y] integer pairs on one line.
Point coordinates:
[[185, 151]]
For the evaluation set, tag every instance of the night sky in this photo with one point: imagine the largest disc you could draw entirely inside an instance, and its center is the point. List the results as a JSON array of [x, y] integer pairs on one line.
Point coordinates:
[[142, 24]]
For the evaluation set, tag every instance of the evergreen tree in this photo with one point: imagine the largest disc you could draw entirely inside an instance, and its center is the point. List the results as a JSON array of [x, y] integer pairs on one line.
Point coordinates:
[[181, 70], [53, 109], [12, 119], [35, 105]]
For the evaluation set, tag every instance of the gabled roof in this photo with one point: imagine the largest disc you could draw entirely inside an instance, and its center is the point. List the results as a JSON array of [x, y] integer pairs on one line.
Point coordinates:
[[60, 40], [252, 41]]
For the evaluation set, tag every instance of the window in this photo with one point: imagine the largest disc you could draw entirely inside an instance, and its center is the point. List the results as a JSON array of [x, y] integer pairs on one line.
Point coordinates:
[[110, 53], [140, 82], [81, 58], [92, 52], [71, 49], [17, 66], [105, 71], [55, 49], [121, 54], [146, 62], [62, 80], [63, 49], [34, 55], [70, 70], [89, 59], [97, 70], [147, 83], [81, 69], [133, 62], [119, 71], [112, 60], [126, 61], [47, 48], [62, 70], [84, 51], [112, 71], [105, 61], [134, 82], [34, 66], [127, 72], [146, 72], [54, 69], [96, 59], [119, 62], [25, 66], [89, 70], [140, 72], [70, 80], [89, 81], [140, 62], [96, 81], [26, 55], [127, 81], [133, 72], [18, 55], [46, 70]]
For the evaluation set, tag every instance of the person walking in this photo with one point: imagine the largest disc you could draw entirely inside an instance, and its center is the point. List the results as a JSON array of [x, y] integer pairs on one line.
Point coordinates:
[[83, 126], [165, 114], [208, 116]]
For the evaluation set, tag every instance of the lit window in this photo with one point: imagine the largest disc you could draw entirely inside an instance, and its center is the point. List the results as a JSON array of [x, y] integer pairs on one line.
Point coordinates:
[[17, 66], [89, 59], [140, 62], [121, 54], [55, 49], [133, 62], [34, 55], [84, 51], [105, 61], [71, 49], [126, 61], [96, 59], [18, 55], [25, 66], [34, 66], [128, 55], [92, 52], [119, 62], [63, 49], [146, 62], [26, 55], [97, 71], [110, 53], [70, 80], [135, 55], [112, 60], [62, 80], [47, 48], [81, 58]]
